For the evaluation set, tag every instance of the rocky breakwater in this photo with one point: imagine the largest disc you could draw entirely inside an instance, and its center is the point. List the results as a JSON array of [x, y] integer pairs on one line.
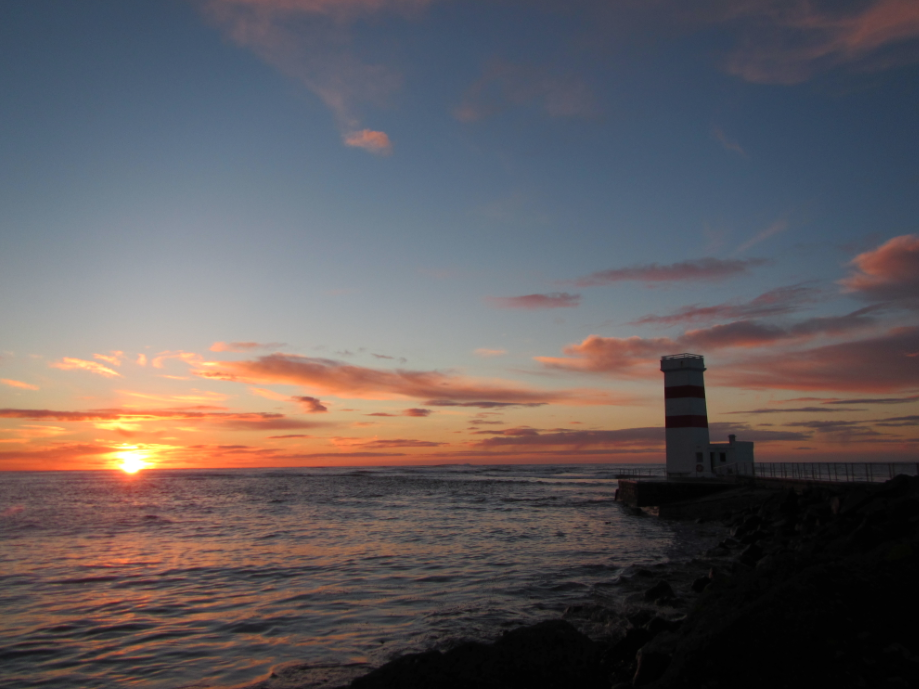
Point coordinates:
[[812, 589]]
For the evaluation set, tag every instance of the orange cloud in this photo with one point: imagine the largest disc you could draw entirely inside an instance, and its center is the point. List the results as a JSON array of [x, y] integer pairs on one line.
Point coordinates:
[[114, 358], [613, 354], [338, 378], [69, 364], [554, 300], [703, 269], [270, 394], [187, 357], [141, 359], [18, 384], [888, 273], [369, 140]]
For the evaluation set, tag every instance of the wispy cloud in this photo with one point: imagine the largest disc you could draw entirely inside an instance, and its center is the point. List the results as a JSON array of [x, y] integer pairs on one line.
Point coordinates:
[[554, 300], [727, 142], [244, 347], [488, 353], [504, 85], [774, 229], [779, 301], [70, 364], [18, 384], [790, 41], [345, 380], [310, 41], [703, 269]]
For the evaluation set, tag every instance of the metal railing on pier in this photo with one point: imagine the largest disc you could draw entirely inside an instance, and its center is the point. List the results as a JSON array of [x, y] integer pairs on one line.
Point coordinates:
[[834, 472], [643, 472]]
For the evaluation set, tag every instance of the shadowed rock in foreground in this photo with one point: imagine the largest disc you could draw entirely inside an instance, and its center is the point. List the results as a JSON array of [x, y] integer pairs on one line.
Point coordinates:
[[812, 589]]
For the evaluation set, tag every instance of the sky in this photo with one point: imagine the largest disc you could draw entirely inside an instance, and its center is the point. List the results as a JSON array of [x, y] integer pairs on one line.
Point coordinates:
[[266, 233]]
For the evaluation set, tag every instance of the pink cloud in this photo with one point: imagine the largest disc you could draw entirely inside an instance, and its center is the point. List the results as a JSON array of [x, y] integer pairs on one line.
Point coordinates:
[[69, 364], [888, 273], [878, 364], [371, 141], [416, 412], [337, 378], [18, 384], [703, 269], [244, 347], [775, 228], [554, 300], [772, 303], [505, 85], [789, 42]]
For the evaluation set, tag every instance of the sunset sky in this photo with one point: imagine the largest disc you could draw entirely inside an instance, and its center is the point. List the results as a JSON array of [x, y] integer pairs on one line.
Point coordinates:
[[343, 232]]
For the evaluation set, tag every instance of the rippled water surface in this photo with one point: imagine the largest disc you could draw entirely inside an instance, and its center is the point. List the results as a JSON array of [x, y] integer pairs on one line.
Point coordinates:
[[169, 578]]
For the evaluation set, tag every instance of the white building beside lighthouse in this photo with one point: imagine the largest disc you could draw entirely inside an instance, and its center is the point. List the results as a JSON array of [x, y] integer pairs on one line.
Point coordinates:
[[690, 453]]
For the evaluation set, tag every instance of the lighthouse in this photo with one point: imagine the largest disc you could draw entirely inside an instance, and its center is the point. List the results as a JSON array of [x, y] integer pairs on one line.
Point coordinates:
[[686, 416]]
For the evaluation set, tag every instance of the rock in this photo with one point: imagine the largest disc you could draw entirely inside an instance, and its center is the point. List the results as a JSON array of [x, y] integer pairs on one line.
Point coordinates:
[[751, 554], [651, 665], [660, 590], [700, 584]]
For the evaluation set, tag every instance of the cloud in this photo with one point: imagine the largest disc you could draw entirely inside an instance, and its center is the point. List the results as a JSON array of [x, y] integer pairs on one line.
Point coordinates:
[[486, 353], [554, 300], [483, 404], [774, 229], [531, 437], [382, 444], [703, 269], [69, 364], [369, 140], [244, 347], [727, 142], [505, 85], [889, 273], [309, 41], [417, 412], [900, 421], [18, 384], [228, 420], [141, 359], [311, 405], [876, 400], [635, 354], [792, 410], [292, 435], [113, 359], [878, 364], [790, 41], [187, 357], [344, 380], [598, 354], [779, 301]]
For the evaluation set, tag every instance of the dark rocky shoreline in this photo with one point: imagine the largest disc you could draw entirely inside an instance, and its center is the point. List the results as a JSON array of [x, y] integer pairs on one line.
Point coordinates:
[[815, 588]]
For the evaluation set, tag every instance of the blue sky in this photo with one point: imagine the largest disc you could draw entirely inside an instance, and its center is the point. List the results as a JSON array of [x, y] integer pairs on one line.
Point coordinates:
[[393, 186]]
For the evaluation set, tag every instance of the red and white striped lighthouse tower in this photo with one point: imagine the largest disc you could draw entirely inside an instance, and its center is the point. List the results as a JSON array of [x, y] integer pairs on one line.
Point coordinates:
[[686, 416]]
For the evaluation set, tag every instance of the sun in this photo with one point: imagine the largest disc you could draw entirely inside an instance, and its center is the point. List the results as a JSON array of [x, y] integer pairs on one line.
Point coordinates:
[[132, 460]]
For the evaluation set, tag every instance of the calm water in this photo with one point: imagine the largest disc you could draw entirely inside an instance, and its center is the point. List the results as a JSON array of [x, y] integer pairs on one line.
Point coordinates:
[[171, 578]]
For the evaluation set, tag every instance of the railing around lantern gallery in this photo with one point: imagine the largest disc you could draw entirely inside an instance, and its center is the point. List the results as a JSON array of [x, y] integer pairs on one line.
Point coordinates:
[[862, 472]]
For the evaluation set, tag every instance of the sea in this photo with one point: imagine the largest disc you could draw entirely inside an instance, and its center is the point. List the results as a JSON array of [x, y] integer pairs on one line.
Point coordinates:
[[308, 577]]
